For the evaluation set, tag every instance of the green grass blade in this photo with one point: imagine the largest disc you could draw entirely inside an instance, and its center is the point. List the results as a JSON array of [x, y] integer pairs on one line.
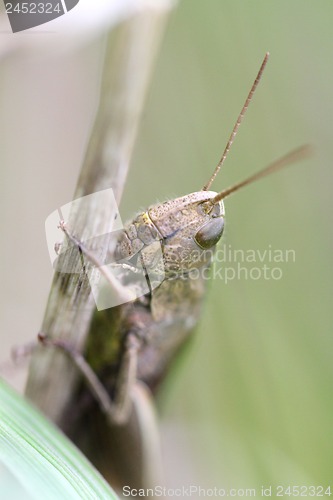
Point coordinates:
[[41, 458]]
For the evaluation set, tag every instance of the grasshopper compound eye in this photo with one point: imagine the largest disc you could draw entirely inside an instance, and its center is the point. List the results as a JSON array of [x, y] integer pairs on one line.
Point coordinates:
[[209, 234]]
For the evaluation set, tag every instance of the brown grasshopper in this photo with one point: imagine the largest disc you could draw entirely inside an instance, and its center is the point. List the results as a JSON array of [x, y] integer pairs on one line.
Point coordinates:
[[131, 346]]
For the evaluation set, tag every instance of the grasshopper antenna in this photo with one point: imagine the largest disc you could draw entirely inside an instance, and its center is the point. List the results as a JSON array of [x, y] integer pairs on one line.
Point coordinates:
[[300, 153], [238, 122]]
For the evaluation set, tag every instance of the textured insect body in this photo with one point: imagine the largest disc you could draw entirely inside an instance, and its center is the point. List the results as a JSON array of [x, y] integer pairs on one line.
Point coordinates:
[[171, 239], [185, 227], [185, 232], [138, 340]]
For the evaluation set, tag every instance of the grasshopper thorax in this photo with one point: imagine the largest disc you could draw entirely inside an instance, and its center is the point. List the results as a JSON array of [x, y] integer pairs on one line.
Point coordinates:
[[186, 229]]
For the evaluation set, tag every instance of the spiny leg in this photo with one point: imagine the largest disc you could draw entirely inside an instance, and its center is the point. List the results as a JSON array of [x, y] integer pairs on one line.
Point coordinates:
[[117, 410], [133, 400]]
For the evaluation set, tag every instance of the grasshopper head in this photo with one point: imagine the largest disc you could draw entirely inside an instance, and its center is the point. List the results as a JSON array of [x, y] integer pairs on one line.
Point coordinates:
[[190, 227]]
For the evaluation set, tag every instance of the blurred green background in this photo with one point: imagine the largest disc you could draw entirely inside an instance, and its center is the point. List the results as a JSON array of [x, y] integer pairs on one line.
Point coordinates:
[[251, 402], [254, 394]]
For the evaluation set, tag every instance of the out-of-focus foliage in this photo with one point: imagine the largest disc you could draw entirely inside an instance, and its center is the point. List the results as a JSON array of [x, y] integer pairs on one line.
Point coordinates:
[[251, 402], [253, 395], [43, 461]]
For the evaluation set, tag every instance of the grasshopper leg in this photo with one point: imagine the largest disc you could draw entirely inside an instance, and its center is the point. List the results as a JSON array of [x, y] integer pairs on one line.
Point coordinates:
[[146, 417], [133, 400], [124, 293], [132, 407], [117, 410]]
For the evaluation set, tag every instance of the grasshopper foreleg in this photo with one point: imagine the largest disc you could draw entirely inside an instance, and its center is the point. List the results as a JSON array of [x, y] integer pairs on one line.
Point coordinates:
[[122, 291]]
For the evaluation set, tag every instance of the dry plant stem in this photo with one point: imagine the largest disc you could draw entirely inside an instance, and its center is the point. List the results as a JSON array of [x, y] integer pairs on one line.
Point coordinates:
[[128, 62]]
